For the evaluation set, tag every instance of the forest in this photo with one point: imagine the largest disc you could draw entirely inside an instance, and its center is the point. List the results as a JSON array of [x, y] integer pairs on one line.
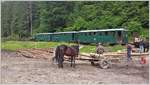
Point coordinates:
[[22, 19]]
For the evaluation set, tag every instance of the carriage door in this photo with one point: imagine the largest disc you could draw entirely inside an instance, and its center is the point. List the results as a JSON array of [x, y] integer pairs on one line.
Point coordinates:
[[73, 37], [119, 36]]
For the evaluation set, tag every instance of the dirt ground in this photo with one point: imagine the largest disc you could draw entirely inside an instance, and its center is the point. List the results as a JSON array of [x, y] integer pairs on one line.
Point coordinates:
[[16, 70]]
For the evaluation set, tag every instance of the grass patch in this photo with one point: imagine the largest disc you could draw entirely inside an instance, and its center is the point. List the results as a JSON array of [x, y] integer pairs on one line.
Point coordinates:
[[92, 49], [88, 49], [14, 45], [115, 48]]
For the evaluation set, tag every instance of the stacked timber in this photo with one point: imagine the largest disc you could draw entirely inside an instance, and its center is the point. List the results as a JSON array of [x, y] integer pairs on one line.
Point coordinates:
[[136, 54], [45, 53], [115, 54]]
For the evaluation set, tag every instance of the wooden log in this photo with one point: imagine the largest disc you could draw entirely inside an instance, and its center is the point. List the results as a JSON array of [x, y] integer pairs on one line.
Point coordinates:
[[135, 54], [34, 53], [115, 54], [84, 54], [26, 54]]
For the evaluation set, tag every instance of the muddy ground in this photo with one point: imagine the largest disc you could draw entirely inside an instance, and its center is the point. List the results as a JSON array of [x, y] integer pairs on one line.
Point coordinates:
[[15, 70]]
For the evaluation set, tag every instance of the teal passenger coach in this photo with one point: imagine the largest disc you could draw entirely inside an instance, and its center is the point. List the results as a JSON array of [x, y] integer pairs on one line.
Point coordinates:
[[111, 36]]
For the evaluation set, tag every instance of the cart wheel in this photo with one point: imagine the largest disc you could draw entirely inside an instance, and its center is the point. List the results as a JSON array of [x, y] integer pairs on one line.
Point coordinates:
[[104, 64], [92, 63]]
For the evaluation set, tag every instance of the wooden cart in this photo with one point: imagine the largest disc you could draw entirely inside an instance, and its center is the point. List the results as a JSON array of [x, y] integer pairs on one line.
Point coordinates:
[[105, 61]]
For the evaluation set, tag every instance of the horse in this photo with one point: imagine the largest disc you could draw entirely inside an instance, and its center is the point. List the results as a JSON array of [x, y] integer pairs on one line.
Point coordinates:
[[70, 51], [146, 46]]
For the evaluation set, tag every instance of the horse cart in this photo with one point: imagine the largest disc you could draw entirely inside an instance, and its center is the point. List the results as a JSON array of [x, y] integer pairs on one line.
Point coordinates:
[[105, 60], [96, 60]]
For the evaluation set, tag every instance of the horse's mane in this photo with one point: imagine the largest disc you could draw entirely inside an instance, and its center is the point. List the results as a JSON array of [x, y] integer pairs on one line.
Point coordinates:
[[64, 46]]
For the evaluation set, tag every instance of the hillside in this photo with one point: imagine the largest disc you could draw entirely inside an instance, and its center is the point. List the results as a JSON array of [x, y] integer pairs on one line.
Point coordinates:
[[21, 19]]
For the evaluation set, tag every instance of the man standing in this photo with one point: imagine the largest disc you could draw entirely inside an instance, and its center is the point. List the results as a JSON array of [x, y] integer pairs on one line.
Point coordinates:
[[99, 49], [141, 45], [129, 49]]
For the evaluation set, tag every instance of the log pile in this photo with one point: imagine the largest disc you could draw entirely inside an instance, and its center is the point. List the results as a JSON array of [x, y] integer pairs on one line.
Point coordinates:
[[115, 54], [45, 53]]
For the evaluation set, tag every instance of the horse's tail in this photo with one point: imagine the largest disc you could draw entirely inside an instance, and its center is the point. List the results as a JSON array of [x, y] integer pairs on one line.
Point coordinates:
[[56, 56], [59, 56]]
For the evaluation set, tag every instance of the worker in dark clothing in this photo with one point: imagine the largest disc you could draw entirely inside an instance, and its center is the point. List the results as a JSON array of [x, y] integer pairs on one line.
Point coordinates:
[[129, 49], [141, 45]]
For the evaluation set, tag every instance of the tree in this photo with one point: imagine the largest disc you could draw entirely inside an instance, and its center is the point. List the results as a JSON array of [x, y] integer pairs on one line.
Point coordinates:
[[19, 19]]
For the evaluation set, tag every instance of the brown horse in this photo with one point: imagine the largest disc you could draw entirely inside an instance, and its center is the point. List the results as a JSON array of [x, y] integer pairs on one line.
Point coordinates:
[[146, 46], [71, 51]]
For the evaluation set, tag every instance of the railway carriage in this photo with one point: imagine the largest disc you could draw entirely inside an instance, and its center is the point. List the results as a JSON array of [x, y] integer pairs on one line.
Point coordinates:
[[111, 36], [64, 36], [43, 37]]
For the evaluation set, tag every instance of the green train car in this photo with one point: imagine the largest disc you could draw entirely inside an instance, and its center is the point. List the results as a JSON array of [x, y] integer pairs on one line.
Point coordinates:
[[64, 36], [43, 37], [111, 36]]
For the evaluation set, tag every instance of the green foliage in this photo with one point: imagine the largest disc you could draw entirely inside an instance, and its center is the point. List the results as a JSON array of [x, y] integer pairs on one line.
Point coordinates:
[[133, 24], [52, 16]]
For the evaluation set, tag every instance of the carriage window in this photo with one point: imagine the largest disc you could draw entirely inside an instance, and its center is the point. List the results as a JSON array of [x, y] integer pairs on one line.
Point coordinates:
[[109, 33], [119, 33], [100, 33], [106, 33], [90, 33], [87, 33], [113, 33]]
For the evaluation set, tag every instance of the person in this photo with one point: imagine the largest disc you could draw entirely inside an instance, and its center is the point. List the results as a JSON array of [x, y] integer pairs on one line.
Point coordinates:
[[99, 49], [136, 42], [136, 39], [141, 46], [129, 49]]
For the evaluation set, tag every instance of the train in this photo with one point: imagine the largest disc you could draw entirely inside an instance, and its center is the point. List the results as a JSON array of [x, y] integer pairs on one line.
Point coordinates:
[[111, 36]]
